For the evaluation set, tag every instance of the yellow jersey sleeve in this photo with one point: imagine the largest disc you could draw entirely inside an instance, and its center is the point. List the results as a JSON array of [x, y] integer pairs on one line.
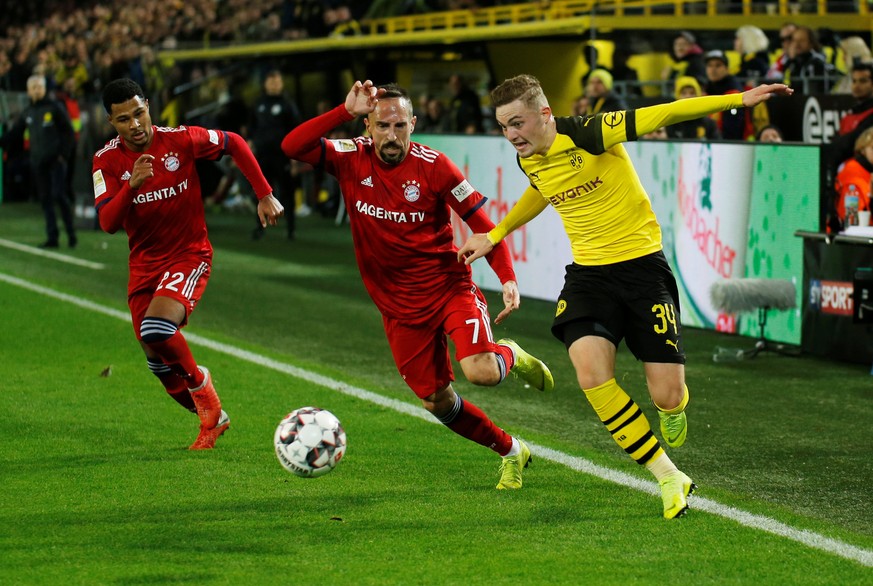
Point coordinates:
[[600, 132], [525, 209]]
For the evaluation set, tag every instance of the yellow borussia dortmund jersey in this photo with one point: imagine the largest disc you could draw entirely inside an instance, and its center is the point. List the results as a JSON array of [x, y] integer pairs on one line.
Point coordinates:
[[597, 193]]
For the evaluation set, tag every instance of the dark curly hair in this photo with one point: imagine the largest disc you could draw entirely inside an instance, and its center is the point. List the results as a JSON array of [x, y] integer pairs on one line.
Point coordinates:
[[119, 91]]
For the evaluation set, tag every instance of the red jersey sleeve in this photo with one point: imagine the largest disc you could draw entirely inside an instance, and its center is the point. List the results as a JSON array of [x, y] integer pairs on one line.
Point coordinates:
[[499, 258], [304, 143], [468, 204], [213, 144]]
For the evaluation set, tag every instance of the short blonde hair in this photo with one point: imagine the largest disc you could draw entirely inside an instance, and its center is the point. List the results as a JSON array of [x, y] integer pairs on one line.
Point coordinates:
[[523, 87], [865, 140]]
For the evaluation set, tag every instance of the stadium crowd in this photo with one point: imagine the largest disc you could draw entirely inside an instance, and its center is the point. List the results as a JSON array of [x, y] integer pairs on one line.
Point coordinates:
[[80, 46]]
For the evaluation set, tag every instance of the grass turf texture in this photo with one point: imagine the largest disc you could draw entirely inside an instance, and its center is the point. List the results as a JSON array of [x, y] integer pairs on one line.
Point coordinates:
[[99, 488]]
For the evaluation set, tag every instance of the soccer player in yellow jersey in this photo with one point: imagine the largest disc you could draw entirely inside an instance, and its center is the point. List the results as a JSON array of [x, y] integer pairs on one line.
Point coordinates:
[[619, 285]]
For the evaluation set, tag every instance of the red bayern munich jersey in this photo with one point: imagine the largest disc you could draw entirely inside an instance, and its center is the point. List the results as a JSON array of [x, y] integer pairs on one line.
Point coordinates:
[[166, 219], [401, 223]]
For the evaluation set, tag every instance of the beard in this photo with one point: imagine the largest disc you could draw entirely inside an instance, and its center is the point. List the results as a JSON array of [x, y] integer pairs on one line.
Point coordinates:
[[392, 158]]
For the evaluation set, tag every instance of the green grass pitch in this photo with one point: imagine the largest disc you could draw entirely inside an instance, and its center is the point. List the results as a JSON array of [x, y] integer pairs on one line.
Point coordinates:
[[98, 487]]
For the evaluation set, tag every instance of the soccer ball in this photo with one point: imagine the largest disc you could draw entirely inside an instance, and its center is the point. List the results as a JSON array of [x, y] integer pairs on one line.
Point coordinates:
[[310, 442]]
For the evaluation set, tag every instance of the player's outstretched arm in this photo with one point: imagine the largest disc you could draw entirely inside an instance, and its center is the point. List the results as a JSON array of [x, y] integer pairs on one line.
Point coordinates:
[[270, 210], [764, 92]]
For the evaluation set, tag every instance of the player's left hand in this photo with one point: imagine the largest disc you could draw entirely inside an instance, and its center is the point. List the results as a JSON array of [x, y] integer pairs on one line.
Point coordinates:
[[270, 210], [511, 300], [764, 92]]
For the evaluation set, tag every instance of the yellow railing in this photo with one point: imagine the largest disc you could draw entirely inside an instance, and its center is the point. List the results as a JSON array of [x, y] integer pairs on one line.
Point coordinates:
[[551, 19], [564, 9]]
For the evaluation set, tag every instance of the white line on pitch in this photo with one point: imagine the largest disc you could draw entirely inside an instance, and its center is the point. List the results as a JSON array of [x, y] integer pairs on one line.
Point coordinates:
[[97, 266], [803, 536]]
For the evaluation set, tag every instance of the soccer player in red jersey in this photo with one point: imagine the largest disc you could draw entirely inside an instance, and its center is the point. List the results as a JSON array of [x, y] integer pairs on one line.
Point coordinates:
[[145, 182], [399, 196]]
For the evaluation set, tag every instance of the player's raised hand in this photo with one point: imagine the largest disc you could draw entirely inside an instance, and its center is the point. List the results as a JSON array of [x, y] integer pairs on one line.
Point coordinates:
[[511, 300], [142, 170], [270, 210], [475, 247], [362, 98], [764, 92]]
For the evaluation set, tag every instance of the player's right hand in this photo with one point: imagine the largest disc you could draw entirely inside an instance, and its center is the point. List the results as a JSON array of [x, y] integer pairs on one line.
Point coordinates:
[[142, 170], [362, 98], [476, 246], [511, 300]]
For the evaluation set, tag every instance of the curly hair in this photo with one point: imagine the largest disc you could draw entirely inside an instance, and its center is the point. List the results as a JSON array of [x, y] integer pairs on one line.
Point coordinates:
[[119, 91]]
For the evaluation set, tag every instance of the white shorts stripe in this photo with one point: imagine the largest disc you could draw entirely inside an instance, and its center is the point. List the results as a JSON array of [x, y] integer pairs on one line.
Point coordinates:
[[483, 310], [191, 282]]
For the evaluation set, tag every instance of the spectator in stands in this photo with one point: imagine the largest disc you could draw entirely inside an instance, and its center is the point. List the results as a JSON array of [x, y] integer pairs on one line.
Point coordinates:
[[657, 134], [699, 128], [769, 133], [580, 106], [434, 119], [465, 109], [5, 72], [592, 59], [853, 177], [601, 98], [51, 146], [808, 70], [861, 113], [687, 58], [623, 73], [852, 125], [389, 8], [855, 50], [751, 43], [731, 123], [780, 64]]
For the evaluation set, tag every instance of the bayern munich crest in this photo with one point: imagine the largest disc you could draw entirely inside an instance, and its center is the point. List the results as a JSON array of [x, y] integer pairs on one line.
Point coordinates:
[[412, 190], [171, 161]]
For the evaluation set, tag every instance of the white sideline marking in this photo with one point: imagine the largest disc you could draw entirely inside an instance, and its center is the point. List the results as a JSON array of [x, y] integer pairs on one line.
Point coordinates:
[[803, 536], [97, 266]]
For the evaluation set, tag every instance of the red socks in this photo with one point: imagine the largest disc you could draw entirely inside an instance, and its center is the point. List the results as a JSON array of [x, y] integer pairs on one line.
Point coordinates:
[[467, 420]]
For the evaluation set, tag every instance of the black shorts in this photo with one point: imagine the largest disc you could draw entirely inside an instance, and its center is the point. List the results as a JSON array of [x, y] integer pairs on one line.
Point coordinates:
[[635, 300]]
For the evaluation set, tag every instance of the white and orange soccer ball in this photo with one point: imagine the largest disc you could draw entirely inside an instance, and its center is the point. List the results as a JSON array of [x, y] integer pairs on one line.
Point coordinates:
[[310, 442]]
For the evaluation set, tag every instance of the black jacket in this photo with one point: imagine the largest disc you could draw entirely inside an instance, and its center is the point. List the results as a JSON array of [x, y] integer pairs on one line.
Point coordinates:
[[51, 133], [272, 119]]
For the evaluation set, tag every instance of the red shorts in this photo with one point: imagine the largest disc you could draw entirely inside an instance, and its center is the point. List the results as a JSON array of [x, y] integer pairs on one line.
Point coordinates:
[[421, 352], [182, 279]]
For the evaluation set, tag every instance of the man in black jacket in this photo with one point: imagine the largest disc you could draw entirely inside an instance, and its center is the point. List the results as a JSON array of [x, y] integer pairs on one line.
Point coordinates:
[[732, 123], [51, 144], [275, 116]]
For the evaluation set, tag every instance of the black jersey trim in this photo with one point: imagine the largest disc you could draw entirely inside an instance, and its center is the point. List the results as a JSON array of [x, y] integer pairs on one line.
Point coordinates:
[[474, 208]]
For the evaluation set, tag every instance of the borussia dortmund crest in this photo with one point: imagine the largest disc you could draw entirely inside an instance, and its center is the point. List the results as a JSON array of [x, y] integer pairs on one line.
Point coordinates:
[[576, 160]]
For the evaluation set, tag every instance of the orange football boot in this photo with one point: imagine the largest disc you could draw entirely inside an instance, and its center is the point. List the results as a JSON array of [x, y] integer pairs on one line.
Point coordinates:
[[213, 420]]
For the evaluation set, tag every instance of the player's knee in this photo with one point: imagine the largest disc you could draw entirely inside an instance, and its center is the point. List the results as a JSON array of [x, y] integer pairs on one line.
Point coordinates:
[[153, 330], [485, 378], [482, 371], [439, 403], [670, 398]]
